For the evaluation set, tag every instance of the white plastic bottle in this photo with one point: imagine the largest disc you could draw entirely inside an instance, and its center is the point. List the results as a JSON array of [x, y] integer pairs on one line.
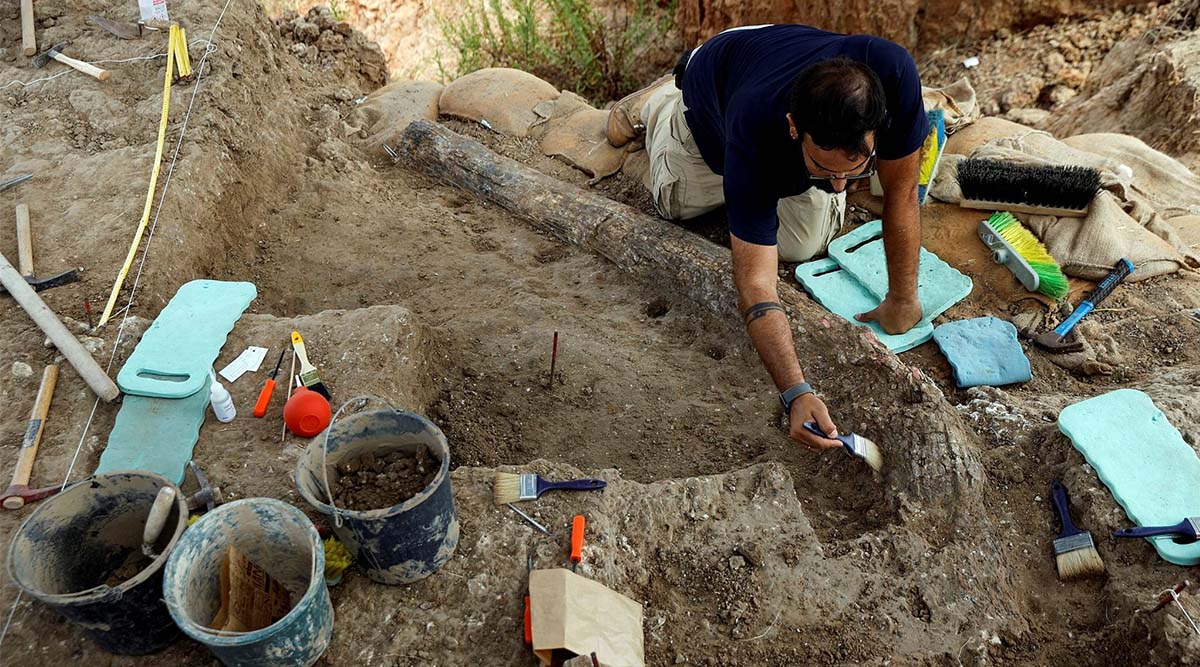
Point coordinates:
[[221, 401]]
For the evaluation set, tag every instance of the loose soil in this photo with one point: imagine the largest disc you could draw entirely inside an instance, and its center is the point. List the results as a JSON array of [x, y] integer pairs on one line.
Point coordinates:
[[376, 482], [743, 549]]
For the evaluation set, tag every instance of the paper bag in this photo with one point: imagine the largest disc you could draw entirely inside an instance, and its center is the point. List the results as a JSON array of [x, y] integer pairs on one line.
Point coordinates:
[[581, 616]]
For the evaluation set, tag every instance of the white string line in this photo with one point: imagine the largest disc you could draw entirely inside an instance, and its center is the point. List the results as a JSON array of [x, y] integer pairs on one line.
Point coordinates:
[[26, 84], [209, 48], [1186, 615]]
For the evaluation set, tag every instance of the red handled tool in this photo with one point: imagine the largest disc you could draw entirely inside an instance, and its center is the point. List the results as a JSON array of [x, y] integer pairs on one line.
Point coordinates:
[[264, 396], [529, 609], [577, 541]]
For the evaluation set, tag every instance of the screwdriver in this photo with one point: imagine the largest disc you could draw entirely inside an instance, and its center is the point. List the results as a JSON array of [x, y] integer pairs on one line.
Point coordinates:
[[264, 396], [577, 541]]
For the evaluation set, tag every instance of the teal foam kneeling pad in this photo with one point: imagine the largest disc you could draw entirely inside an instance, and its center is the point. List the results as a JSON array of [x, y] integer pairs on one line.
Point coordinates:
[[860, 252], [983, 351], [1142, 459], [839, 293], [155, 434], [174, 356]]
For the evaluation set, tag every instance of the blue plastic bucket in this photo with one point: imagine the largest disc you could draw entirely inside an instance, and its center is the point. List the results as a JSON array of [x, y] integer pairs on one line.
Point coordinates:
[[398, 544], [68, 554], [282, 541]]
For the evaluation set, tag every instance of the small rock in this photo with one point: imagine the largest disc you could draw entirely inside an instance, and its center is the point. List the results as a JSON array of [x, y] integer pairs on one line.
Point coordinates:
[[343, 95], [343, 29], [20, 369], [477, 585], [736, 562], [1027, 116], [331, 42], [1055, 95], [306, 32], [1054, 62], [1072, 77]]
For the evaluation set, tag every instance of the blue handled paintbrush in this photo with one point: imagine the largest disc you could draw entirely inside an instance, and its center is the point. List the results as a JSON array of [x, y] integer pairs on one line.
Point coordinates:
[[511, 488]]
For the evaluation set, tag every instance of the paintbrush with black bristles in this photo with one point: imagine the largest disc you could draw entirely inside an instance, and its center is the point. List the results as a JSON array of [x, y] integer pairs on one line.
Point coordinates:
[[1074, 551], [513, 488]]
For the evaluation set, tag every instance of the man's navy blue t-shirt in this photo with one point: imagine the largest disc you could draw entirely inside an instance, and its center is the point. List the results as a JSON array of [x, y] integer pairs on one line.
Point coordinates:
[[737, 88]]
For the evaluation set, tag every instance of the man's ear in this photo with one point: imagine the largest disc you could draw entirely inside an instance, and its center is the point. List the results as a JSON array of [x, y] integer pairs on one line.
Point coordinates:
[[792, 126]]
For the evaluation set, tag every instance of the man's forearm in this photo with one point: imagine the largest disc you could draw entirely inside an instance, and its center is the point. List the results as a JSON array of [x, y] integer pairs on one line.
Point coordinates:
[[902, 243], [901, 224], [772, 338]]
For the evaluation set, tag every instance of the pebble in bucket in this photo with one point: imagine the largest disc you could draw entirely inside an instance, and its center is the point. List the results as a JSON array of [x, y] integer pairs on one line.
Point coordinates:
[[283, 543], [395, 544], [81, 552]]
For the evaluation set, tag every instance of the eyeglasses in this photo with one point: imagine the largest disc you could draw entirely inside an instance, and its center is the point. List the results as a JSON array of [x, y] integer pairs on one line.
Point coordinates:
[[868, 169]]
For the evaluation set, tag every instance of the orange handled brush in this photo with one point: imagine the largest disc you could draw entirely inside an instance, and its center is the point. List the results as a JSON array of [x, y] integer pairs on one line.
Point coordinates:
[[577, 541], [264, 396]]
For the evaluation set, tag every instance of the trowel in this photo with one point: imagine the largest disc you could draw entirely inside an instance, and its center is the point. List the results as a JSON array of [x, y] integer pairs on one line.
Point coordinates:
[[122, 29]]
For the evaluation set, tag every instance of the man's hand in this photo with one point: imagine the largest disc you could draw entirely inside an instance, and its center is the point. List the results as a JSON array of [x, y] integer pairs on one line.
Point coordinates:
[[809, 408], [895, 315]]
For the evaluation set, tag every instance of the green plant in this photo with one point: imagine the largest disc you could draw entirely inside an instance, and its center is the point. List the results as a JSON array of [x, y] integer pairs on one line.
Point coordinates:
[[337, 9], [569, 43]]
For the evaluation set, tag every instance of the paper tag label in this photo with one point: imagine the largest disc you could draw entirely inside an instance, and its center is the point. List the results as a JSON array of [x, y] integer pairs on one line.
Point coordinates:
[[249, 360], [153, 10]]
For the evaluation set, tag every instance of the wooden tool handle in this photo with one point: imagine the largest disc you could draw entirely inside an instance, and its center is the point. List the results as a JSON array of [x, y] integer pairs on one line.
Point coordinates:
[[158, 515], [67, 344], [87, 68], [301, 354], [28, 40], [24, 241], [33, 434]]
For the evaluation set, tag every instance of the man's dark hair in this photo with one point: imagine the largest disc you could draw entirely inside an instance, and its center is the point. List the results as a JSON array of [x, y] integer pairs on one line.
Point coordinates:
[[837, 102]]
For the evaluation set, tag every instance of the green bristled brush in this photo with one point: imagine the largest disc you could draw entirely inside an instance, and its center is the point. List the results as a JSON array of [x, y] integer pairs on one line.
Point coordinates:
[[1017, 248]]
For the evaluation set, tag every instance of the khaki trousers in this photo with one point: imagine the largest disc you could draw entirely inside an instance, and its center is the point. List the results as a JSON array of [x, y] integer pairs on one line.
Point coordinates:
[[683, 187]]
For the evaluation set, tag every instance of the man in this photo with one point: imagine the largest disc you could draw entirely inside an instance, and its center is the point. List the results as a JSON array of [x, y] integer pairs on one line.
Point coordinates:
[[774, 122]]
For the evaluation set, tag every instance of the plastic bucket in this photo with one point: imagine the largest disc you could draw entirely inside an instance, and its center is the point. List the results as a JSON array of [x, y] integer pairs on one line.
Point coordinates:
[[281, 540], [398, 544], [72, 550]]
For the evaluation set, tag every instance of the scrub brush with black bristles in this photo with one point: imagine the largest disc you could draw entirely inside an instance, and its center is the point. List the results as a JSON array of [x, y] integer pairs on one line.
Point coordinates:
[[1017, 248], [995, 185]]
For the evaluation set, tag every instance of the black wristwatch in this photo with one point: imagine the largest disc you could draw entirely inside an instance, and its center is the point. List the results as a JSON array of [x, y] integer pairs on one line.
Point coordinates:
[[792, 393]]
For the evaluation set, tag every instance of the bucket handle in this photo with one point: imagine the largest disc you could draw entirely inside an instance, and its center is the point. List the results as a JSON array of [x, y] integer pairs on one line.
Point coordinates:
[[337, 513]]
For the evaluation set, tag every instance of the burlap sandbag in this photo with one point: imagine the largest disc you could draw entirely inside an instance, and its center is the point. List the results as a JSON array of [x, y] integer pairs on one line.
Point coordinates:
[[503, 97], [571, 130], [387, 111], [958, 102], [1121, 222]]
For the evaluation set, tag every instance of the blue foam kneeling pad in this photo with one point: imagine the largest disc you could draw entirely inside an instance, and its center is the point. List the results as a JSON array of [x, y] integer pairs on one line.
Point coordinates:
[[983, 351], [860, 252], [173, 358], [155, 434], [844, 296], [1142, 459]]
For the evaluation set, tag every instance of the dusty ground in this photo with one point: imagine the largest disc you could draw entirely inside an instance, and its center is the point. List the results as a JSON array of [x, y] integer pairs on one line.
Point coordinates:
[[743, 549]]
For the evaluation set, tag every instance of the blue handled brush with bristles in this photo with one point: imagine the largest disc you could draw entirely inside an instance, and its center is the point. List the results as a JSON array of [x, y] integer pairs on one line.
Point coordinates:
[[511, 488]]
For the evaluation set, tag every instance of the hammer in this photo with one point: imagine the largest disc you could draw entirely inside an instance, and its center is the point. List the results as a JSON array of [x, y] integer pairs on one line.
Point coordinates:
[[1055, 341], [53, 53], [25, 257], [208, 496], [18, 493]]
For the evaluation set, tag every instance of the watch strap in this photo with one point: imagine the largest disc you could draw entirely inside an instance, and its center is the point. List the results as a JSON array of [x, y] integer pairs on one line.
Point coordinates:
[[793, 392]]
